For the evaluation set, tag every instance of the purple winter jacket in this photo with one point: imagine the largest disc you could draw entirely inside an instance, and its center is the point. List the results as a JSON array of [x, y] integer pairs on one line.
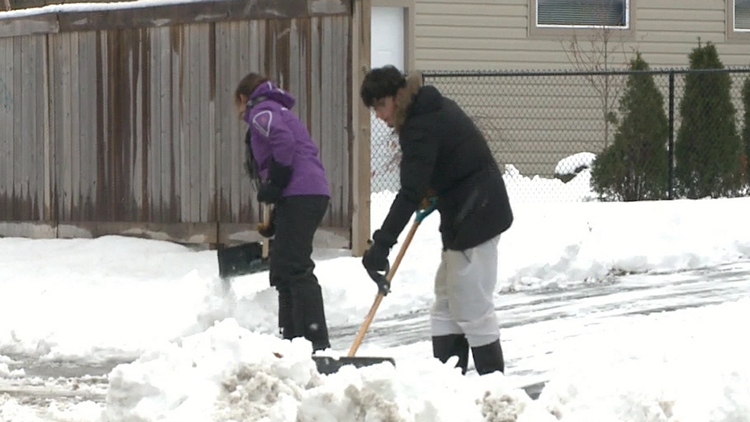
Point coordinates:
[[277, 133]]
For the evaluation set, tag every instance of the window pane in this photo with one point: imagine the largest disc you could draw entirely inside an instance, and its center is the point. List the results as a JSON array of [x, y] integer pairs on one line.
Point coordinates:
[[742, 14], [583, 12]]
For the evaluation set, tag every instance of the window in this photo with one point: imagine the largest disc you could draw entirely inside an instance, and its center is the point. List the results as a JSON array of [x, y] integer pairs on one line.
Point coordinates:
[[738, 20], [742, 15], [585, 13]]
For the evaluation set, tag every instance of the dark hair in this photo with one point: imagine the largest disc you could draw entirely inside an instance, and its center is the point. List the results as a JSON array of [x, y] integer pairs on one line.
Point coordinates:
[[248, 84], [380, 83]]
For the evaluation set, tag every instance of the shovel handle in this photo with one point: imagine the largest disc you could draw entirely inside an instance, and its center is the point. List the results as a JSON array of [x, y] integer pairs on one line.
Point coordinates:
[[379, 298], [266, 220]]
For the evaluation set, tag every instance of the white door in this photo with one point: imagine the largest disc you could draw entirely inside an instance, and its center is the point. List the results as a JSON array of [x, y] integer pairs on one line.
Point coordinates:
[[386, 47], [387, 37]]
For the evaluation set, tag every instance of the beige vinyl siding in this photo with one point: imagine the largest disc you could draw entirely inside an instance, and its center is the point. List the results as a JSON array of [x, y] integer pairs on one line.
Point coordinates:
[[533, 122], [494, 35]]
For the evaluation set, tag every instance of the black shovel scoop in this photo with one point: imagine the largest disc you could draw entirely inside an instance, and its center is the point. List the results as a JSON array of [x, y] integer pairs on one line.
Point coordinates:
[[247, 258]]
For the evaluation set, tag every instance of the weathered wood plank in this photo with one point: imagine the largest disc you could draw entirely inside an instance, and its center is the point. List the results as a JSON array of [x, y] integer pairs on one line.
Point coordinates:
[[341, 159], [30, 25], [328, 7], [241, 187], [296, 69], [87, 116], [76, 141], [35, 230], [142, 151], [44, 109], [360, 136], [18, 135], [104, 140], [328, 113], [222, 110], [67, 172], [24, 166], [193, 109], [6, 120], [55, 60], [152, 90], [127, 105], [166, 132], [178, 130], [180, 232], [317, 74], [325, 237], [258, 58], [205, 140]]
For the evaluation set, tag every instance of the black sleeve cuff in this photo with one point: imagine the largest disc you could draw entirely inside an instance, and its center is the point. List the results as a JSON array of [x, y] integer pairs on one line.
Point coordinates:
[[399, 215], [279, 175], [384, 238]]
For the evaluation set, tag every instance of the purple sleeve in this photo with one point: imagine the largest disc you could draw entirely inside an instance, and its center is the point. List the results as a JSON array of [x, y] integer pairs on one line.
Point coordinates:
[[269, 127]]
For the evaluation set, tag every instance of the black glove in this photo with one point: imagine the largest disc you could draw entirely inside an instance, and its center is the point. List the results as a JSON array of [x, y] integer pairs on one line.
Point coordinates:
[[278, 179], [376, 257], [269, 193], [268, 228]]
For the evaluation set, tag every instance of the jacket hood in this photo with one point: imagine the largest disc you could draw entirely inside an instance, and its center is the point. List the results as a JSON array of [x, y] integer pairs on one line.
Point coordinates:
[[269, 91], [415, 99]]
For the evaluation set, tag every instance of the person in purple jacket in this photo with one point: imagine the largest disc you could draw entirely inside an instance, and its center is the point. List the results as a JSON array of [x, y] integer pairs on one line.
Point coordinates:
[[286, 163]]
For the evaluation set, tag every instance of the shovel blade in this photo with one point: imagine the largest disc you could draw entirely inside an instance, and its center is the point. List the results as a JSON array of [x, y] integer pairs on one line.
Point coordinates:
[[243, 259], [329, 365]]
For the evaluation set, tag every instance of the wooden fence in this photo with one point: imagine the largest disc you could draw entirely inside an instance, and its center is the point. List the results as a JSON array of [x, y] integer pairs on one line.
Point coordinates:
[[122, 120]]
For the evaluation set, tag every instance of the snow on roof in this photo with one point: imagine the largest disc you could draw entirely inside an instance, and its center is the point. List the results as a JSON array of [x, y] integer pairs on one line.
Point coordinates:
[[90, 7]]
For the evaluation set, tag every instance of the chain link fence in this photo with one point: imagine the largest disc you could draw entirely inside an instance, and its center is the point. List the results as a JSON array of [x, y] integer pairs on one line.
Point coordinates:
[[546, 129]]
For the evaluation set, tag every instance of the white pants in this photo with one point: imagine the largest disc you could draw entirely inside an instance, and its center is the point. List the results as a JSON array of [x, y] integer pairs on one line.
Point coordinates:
[[464, 287]]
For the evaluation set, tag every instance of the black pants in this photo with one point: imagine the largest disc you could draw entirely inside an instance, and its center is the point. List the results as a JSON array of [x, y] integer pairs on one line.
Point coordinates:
[[301, 310]]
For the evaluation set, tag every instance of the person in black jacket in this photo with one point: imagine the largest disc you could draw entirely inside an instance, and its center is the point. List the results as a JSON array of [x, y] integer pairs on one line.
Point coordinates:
[[444, 152]]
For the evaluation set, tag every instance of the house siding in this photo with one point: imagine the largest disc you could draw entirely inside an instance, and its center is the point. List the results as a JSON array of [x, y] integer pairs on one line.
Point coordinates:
[[533, 122], [492, 35]]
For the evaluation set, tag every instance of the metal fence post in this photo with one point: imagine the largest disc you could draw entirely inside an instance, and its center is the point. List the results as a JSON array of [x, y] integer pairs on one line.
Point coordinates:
[[671, 135]]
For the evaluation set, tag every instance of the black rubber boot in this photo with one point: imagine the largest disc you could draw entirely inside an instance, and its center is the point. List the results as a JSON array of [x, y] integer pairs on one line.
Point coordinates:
[[308, 314], [488, 358], [443, 347]]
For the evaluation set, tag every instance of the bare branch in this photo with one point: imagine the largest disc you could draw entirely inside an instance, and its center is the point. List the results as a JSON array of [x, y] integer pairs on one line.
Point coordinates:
[[599, 54]]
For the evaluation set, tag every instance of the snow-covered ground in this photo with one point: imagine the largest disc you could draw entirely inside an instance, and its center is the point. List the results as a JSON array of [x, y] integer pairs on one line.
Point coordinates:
[[200, 356]]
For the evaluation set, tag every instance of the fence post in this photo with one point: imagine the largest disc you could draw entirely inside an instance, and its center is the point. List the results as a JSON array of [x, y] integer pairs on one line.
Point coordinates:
[[671, 135], [361, 136]]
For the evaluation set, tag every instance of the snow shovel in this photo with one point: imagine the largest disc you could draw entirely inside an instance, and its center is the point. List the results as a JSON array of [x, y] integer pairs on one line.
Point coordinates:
[[247, 258], [329, 365]]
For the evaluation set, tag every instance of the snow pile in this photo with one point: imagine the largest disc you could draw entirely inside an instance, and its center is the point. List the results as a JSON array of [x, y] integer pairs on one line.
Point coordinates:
[[229, 373], [574, 164], [542, 191]]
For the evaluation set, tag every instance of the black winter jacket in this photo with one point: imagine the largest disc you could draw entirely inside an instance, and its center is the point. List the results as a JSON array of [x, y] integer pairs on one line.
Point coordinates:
[[443, 150]]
